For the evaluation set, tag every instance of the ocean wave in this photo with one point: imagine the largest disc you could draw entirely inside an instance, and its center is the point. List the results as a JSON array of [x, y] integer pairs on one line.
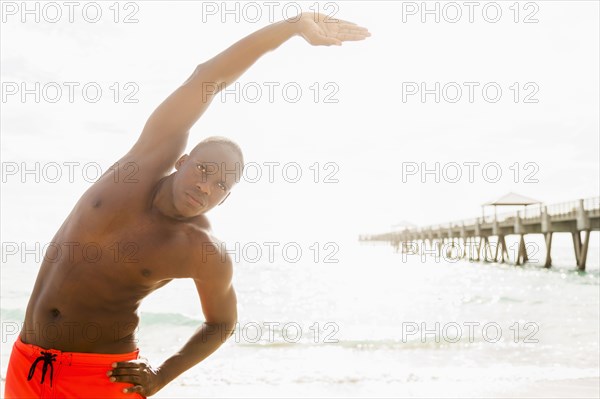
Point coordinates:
[[169, 319], [361, 345], [146, 319], [12, 314]]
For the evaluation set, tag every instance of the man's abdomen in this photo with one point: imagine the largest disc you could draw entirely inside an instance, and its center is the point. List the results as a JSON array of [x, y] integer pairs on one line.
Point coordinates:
[[80, 310]]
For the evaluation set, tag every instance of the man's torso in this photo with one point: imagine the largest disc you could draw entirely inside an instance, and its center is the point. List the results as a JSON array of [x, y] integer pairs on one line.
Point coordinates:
[[112, 251]]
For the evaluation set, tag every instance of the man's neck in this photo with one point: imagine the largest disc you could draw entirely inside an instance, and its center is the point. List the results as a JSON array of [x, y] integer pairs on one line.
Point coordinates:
[[162, 200]]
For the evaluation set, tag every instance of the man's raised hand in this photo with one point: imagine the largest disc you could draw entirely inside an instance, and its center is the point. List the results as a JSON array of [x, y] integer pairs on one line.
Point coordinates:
[[321, 30]]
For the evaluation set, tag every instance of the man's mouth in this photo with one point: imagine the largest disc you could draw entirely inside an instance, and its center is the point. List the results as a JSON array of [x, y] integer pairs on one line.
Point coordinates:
[[195, 201]]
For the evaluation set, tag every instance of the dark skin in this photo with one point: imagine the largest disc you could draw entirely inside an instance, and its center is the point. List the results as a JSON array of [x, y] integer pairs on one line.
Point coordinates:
[[150, 226]]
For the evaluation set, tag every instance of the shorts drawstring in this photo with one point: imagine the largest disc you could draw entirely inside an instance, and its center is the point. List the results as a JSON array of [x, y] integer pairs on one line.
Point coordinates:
[[48, 358]]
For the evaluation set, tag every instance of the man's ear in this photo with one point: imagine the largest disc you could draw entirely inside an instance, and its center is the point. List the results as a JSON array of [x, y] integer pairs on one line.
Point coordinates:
[[224, 198], [180, 161]]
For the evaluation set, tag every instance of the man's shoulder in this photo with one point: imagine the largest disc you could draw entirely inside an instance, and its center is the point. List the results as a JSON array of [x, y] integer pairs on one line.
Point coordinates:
[[209, 255], [201, 239]]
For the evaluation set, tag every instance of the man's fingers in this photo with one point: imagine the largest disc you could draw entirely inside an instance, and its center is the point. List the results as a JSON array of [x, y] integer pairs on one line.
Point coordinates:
[[135, 389], [350, 37], [353, 29], [126, 364], [134, 379], [341, 21], [124, 371]]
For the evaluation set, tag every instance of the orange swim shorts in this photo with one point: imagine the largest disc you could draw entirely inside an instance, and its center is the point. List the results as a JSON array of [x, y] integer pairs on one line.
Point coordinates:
[[35, 372]]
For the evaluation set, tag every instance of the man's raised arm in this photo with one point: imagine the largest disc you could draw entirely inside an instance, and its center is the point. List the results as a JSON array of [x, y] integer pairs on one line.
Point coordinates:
[[166, 131], [316, 29]]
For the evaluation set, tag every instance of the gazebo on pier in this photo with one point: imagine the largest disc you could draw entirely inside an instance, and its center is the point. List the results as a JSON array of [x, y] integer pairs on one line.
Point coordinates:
[[510, 199]]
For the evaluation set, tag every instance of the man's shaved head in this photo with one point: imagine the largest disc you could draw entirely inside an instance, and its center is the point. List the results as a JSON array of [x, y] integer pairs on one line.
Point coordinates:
[[224, 141]]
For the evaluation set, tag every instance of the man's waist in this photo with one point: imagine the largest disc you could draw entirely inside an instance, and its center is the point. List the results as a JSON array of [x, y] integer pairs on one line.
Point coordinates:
[[72, 357], [82, 334]]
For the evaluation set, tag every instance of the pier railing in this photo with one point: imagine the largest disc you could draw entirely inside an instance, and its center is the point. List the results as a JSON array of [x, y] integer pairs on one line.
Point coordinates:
[[531, 213]]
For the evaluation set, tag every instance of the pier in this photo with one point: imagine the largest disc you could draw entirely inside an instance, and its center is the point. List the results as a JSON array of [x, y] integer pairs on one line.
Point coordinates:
[[470, 238]]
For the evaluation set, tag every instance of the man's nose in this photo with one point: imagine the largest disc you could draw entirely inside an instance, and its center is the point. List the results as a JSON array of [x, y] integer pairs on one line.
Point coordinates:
[[204, 187]]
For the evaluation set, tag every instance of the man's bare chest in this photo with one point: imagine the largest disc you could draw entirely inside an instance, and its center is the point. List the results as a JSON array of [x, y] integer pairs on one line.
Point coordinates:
[[136, 245]]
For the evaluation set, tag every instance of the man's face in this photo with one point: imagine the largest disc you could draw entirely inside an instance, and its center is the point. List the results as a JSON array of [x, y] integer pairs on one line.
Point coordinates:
[[205, 178]]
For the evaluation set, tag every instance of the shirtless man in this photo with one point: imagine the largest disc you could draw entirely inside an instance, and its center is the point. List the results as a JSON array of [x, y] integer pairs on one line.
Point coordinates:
[[78, 337]]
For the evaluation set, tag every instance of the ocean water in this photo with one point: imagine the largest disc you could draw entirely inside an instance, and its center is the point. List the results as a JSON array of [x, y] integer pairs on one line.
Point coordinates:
[[374, 324]]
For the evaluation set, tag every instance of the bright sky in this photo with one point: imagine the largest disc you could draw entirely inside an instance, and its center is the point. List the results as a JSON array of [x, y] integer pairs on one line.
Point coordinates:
[[375, 140]]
